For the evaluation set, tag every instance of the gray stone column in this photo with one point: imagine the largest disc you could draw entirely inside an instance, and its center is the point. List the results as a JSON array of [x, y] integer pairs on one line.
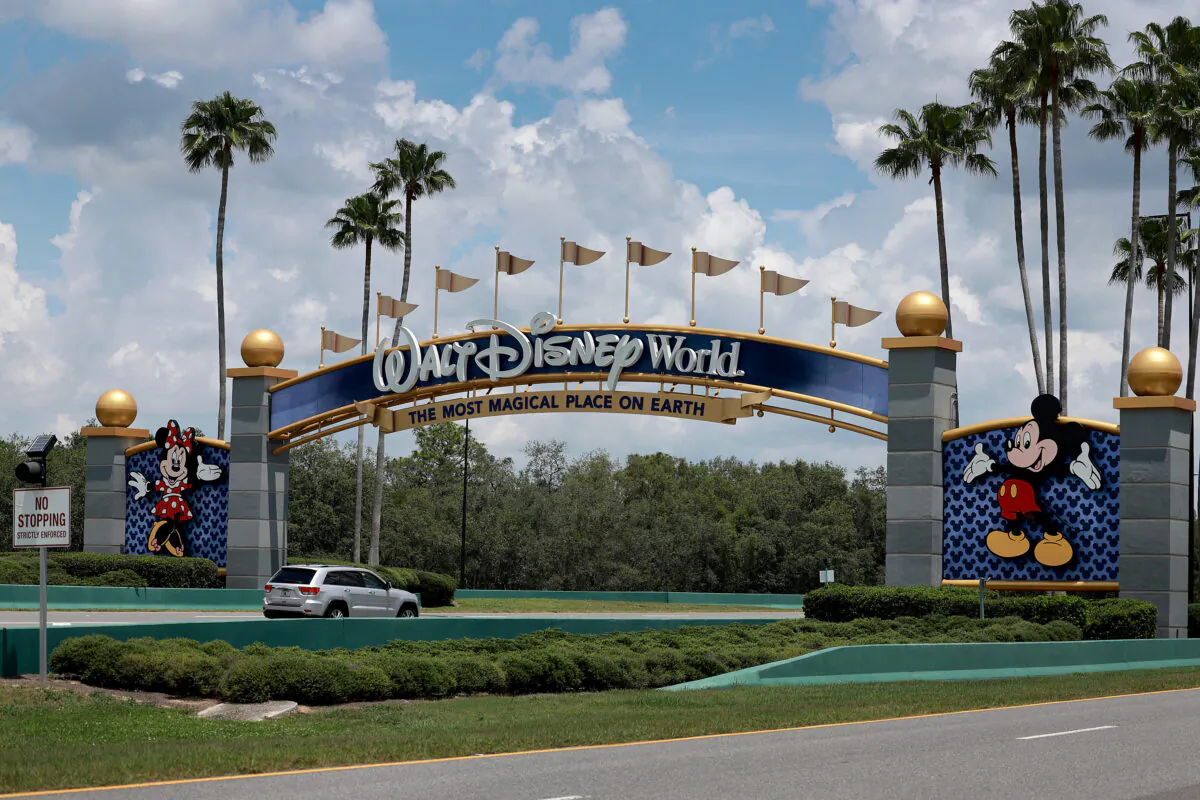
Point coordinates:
[[1154, 505], [921, 400], [104, 478], [258, 482]]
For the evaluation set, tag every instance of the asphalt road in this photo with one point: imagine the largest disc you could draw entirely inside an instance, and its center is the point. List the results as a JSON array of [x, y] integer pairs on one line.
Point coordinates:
[[1132, 748], [22, 618]]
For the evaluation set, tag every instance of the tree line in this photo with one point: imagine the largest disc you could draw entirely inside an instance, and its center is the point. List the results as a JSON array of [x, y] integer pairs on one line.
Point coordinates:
[[1041, 76]]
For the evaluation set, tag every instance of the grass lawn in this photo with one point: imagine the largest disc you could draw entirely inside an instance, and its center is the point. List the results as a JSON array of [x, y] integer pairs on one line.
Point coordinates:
[[548, 605], [53, 738]]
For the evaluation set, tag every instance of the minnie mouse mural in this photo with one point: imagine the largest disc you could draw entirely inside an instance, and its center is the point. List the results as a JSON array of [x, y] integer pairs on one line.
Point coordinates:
[[180, 468]]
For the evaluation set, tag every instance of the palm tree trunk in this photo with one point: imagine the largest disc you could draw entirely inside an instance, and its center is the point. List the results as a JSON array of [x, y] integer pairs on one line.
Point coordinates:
[[1048, 321], [1020, 234], [1172, 186], [1060, 229], [1161, 304], [943, 261], [380, 453], [221, 296], [362, 431], [1133, 263]]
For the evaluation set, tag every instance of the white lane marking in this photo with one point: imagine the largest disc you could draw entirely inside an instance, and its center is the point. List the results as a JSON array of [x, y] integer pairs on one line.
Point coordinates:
[[57, 624], [246, 615], [566, 797], [1065, 733]]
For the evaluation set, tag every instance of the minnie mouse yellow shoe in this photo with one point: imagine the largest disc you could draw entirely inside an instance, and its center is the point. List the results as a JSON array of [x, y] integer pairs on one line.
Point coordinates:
[[1008, 545], [153, 544], [1053, 550]]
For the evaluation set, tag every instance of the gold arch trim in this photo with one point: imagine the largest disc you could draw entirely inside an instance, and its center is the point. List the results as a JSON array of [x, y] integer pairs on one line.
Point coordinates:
[[676, 329], [150, 445], [1040, 586], [1016, 422]]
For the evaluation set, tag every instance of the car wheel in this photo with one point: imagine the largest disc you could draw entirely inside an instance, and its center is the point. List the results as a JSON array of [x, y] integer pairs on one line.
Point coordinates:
[[336, 611], [407, 610]]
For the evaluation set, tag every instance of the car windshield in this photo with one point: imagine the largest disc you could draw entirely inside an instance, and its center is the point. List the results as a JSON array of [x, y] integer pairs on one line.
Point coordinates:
[[294, 575]]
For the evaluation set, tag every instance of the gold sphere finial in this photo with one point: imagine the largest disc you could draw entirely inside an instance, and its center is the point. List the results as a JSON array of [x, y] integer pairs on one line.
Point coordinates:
[[1155, 372], [116, 409], [921, 314], [262, 348]]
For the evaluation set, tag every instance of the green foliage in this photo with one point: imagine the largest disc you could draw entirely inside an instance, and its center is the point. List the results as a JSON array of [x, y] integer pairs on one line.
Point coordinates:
[[105, 569], [653, 522], [435, 589], [1098, 619], [1194, 621], [544, 662]]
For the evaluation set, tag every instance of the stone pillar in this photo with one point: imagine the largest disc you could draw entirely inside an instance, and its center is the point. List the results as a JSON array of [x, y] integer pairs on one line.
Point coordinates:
[[258, 478], [921, 400], [104, 471], [1154, 489]]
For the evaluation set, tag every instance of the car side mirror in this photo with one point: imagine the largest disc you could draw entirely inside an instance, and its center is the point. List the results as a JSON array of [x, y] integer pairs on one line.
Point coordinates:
[[387, 585]]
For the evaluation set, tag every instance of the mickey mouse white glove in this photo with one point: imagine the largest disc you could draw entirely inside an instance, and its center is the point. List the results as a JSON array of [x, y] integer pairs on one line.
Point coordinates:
[[981, 464], [207, 472], [1083, 469], [138, 481]]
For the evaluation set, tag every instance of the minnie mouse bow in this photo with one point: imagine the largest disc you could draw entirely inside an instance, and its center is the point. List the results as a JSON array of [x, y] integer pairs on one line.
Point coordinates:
[[177, 439]]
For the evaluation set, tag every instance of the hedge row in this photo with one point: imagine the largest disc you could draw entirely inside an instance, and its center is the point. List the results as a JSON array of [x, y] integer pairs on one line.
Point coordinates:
[[435, 588], [104, 569], [1098, 619], [548, 661]]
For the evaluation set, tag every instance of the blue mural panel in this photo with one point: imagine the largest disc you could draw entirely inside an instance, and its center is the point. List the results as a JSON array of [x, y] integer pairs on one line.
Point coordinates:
[[205, 535], [1087, 519]]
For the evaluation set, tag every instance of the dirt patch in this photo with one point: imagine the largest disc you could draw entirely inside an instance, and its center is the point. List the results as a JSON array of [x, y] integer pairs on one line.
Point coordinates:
[[150, 698]]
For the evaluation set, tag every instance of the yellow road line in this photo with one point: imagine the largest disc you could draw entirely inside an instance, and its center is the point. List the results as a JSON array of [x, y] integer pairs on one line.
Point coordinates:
[[348, 767]]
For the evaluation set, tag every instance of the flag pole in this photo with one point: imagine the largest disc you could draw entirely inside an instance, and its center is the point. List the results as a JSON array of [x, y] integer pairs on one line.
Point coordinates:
[[762, 282], [378, 298], [693, 322], [833, 322], [496, 297], [437, 273], [321, 363], [627, 240], [561, 246]]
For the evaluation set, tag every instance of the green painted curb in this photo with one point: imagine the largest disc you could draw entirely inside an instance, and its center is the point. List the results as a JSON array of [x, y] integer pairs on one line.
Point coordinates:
[[881, 663], [788, 601], [19, 646]]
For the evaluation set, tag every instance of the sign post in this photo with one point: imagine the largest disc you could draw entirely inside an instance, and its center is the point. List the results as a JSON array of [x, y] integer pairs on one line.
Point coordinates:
[[825, 575], [42, 519]]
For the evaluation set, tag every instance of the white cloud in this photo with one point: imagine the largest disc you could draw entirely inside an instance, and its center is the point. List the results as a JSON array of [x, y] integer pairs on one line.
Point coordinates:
[[226, 32], [65, 241], [16, 144], [478, 59], [809, 221], [751, 26], [523, 60], [669, 112], [169, 79], [353, 156]]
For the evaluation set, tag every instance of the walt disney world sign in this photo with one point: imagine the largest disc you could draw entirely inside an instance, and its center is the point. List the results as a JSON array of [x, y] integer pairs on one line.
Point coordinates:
[[496, 353]]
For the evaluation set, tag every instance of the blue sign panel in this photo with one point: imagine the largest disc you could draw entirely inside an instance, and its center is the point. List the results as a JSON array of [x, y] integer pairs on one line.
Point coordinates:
[[1021, 519], [507, 352]]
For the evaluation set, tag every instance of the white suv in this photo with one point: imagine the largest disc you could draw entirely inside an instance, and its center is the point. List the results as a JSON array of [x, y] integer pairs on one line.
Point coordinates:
[[321, 590]]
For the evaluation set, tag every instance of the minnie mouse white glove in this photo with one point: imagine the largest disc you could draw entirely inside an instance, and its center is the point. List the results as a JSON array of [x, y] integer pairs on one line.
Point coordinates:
[[207, 472], [138, 481]]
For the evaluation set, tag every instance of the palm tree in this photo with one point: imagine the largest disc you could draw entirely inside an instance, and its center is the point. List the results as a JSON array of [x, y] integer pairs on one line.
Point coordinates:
[[209, 135], [1169, 55], [1056, 45], [1162, 278], [1191, 199], [416, 171], [997, 88], [367, 219], [939, 136], [1126, 110]]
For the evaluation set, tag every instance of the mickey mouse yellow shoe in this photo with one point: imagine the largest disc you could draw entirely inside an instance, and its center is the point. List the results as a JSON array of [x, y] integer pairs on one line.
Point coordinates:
[[1007, 545], [1053, 550]]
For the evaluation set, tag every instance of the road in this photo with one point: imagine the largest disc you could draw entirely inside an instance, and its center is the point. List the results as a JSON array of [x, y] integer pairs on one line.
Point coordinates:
[[23, 618], [1130, 748]]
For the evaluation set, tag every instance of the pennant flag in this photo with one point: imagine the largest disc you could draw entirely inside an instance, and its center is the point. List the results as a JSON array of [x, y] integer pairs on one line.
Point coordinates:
[[452, 282], [778, 284], [336, 342], [638, 253], [852, 316], [396, 309], [509, 264], [711, 265], [574, 254]]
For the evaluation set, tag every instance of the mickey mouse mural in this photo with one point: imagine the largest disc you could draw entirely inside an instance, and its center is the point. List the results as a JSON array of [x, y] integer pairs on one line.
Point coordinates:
[[1049, 514], [181, 469]]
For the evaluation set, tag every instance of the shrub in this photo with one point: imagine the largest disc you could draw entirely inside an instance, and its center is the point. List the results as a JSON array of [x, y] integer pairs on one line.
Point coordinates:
[[1121, 619], [1194, 621], [474, 675], [417, 676], [248, 680], [110, 569], [435, 588]]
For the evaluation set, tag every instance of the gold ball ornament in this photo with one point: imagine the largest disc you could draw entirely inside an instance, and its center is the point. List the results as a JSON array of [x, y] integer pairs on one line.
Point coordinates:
[[921, 314], [262, 348], [116, 409], [1155, 372]]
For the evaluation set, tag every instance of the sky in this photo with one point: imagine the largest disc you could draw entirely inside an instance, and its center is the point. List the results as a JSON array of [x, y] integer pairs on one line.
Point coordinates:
[[747, 130]]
